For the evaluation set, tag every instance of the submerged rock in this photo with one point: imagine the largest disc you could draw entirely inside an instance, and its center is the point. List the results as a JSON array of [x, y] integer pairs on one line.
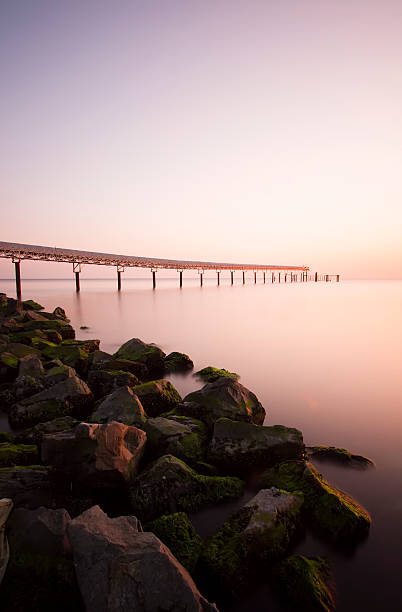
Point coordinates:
[[157, 396], [115, 563], [99, 456], [178, 362], [238, 447], [305, 583], [123, 406], [339, 455], [169, 485], [334, 513], [149, 354], [210, 374], [253, 537], [223, 398]]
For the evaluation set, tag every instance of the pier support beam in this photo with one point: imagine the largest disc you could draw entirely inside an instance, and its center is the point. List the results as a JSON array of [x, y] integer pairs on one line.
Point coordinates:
[[272, 277], [244, 277], [255, 278], [77, 270], [218, 274], [337, 278], [120, 269], [279, 277], [17, 278], [201, 275], [264, 278], [181, 278], [316, 277], [231, 277], [153, 279]]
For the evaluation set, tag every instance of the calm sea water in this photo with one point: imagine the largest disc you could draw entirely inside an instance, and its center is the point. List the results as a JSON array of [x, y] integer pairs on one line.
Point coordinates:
[[325, 358]]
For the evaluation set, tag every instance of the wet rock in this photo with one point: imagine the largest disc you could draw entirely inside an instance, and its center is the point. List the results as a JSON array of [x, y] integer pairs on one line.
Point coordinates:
[[30, 365], [28, 487], [122, 406], [253, 537], [31, 305], [6, 506], [157, 396], [115, 563], [65, 330], [177, 533], [210, 374], [139, 370], [333, 513], [72, 355], [105, 382], [178, 362], [57, 374], [17, 454], [149, 354], [340, 456], [238, 447], [26, 386], [186, 440], [305, 583], [35, 434], [169, 485], [99, 456], [223, 398]]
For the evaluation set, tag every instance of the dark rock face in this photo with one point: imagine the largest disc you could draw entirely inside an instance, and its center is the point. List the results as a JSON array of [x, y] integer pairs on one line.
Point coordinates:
[[69, 396], [99, 456], [157, 396], [210, 374], [122, 406], [123, 365], [115, 563], [18, 454], [41, 531], [178, 362], [339, 455], [238, 447], [30, 365], [104, 382], [28, 487], [186, 439], [333, 513], [149, 354], [223, 398], [34, 434], [169, 485], [258, 534]]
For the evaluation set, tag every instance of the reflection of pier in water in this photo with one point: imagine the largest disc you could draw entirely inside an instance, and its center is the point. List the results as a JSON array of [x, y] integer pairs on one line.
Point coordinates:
[[18, 252]]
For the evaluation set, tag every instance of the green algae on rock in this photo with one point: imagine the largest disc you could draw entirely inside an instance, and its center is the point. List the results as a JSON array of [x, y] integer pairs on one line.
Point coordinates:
[[122, 406], [305, 583], [210, 374], [177, 532], [339, 455], [149, 354], [17, 454], [186, 439], [169, 485], [178, 362], [334, 513], [157, 396], [104, 382]]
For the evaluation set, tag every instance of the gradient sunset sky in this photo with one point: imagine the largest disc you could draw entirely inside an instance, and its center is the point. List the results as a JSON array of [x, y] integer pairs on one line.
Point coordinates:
[[245, 131]]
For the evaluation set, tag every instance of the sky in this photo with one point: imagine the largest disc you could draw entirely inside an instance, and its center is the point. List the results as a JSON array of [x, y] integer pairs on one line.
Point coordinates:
[[250, 131]]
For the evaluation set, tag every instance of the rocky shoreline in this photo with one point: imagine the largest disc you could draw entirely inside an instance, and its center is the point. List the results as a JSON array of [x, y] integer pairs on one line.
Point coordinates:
[[106, 461]]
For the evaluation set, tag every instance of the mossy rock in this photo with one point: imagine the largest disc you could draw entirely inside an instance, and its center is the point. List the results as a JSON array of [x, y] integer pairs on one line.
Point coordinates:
[[177, 532], [340, 456], [178, 362], [66, 331], [31, 305], [105, 382], [149, 354], [157, 397], [6, 437], [69, 354], [210, 374], [169, 436], [20, 350], [123, 365], [35, 434], [305, 583], [169, 485], [26, 337], [89, 346], [9, 360], [18, 454], [333, 513]]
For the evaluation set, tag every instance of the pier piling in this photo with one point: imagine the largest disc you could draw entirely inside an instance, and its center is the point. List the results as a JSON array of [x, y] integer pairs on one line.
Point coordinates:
[[255, 278], [18, 279], [244, 277], [218, 274], [153, 279], [231, 277], [181, 278]]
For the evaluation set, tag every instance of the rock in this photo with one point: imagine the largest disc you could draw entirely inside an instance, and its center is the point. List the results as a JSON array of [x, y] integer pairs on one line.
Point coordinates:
[[26, 386], [305, 583], [149, 354], [99, 456], [30, 365], [168, 436], [256, 535], [65, 330], [157, 396], [169, 485], [333, 513], [223, 398], [70, 396], [238, 447], [5, 436], [97, 359], [60, 313], [6, 506], [28, 487], [115, 563], [139, 370], [27, 337], [31, 305], [178, 362], [41, 572], [53, 336], [57, 374], [210, 374], [21, 350], [104, 382], [34, 435], [123, 406], [89, 346], [70, 354], [340, 456], [177, 533], [17, 454]]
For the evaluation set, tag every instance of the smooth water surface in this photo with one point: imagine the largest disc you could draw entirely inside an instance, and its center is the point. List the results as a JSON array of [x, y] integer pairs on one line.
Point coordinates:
[[322, 357]]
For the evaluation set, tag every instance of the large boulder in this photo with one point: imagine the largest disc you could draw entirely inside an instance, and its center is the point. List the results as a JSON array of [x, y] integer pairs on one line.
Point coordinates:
[[65, 330], [238, 447], [70, 396], [34, 434], [169, 485], [158, 396], [28, 487], [99, 456], [119, 567], [256, 535], [57, 373], [26, 386], [73, 355], [104, 382], [210, 374], [332, 512], [149, 354], [223, 398], [178, 362], [340, 456], [31, 365], [123, 406], [185, 439], [108, 362]]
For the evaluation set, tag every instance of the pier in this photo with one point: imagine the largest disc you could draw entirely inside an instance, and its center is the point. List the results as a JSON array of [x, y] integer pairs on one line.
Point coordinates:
[[279, 273]]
